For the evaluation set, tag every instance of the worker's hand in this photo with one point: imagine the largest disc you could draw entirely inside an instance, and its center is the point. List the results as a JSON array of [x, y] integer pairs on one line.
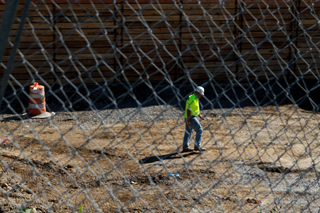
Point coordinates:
[[201, 117]]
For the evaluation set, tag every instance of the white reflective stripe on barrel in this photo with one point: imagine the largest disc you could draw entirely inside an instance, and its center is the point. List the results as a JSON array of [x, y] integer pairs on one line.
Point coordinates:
[[36, 91], [40, 95], [36, 106]]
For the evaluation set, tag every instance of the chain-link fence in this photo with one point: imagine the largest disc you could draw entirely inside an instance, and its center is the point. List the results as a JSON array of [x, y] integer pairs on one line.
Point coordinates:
[[106, 132]]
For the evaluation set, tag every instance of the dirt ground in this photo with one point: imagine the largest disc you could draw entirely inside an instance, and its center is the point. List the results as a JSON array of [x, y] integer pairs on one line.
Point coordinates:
[[270, 154]]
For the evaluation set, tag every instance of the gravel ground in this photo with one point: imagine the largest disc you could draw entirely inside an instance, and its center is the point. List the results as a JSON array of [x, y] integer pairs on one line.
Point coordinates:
[[302, 187]]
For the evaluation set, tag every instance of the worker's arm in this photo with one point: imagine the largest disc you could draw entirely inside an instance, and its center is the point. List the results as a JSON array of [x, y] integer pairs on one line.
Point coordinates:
[[188, 117]]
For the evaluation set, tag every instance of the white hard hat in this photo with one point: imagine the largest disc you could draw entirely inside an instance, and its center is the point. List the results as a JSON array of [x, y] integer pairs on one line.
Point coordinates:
[[200, 90]]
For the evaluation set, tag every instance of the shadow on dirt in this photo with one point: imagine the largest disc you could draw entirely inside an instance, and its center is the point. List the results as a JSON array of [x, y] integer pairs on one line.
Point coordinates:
[[218, 95], [156, 158]]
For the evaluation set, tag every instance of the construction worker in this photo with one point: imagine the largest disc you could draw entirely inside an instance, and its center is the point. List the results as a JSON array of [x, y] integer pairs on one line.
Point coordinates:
[[192, 111]]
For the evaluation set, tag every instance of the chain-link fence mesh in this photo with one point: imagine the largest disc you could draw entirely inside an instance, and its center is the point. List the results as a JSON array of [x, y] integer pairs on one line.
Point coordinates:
[[117, 76]]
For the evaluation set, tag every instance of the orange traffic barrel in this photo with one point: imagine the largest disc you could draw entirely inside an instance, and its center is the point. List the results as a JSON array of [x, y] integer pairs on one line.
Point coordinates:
[[37, 100]]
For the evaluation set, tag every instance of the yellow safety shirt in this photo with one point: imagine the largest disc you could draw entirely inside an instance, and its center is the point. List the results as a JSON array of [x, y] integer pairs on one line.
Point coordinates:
[[192, 104]]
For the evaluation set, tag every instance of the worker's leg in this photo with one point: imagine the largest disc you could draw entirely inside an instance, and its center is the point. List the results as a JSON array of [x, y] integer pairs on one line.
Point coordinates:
[[187, 136], [198, 129]]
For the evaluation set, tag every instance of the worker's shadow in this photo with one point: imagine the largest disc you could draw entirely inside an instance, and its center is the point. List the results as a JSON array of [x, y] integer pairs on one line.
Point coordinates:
[[165, 157]]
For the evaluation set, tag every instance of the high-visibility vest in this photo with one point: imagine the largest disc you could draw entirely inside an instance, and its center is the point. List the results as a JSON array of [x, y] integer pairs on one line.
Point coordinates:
[[192, 104]]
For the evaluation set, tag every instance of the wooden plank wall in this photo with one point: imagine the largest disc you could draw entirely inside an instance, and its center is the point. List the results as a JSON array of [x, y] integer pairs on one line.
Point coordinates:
[[97, 43], [307, 39]]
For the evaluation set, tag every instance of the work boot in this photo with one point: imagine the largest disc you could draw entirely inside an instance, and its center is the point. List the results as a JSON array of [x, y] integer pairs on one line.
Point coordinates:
[[187, 150]]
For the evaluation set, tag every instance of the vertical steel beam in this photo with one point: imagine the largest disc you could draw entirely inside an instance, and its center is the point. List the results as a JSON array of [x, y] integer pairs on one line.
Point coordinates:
[[6, 24], [5, 28]]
